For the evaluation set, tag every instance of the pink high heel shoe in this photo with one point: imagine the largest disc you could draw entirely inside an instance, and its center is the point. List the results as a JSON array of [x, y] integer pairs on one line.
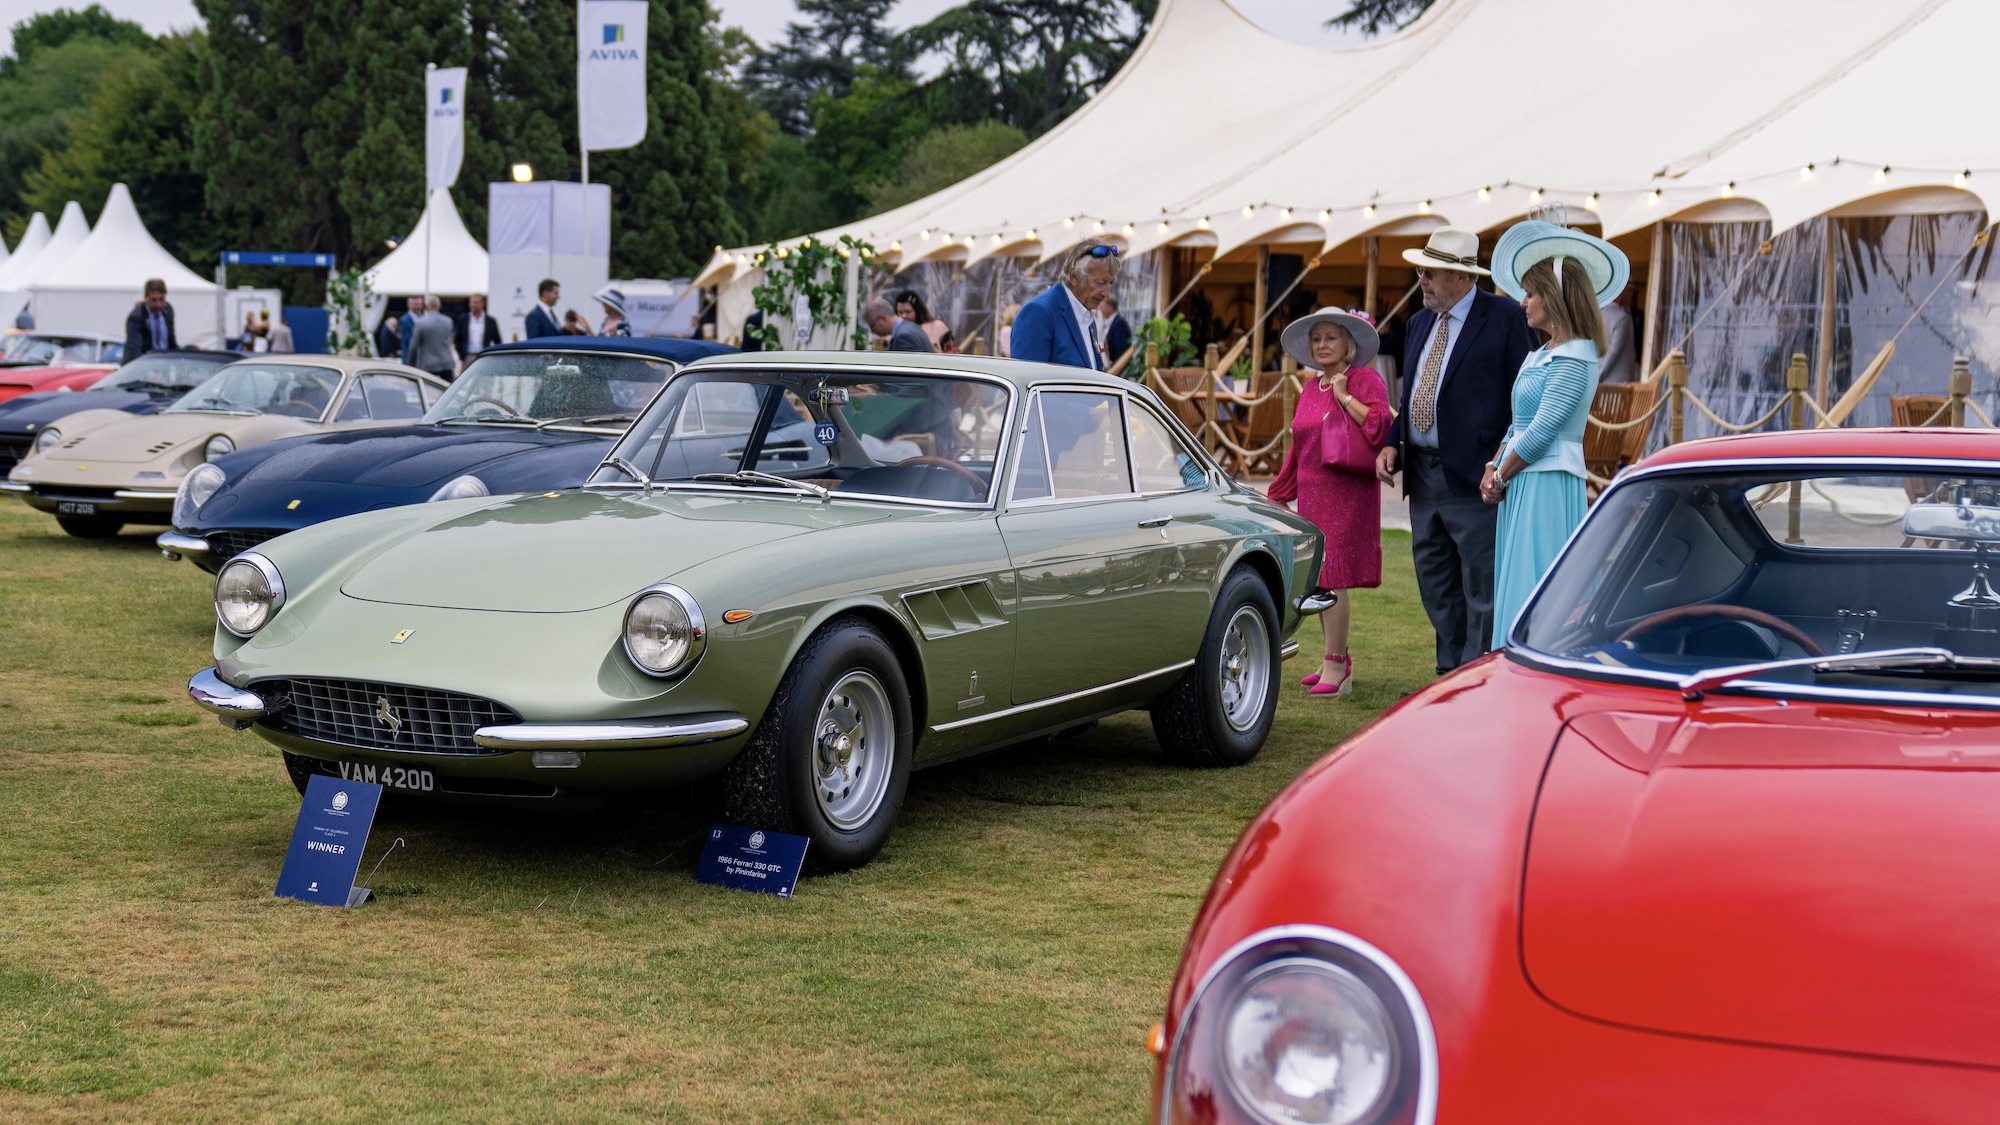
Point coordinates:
[[1346, 684], [1309, 680]]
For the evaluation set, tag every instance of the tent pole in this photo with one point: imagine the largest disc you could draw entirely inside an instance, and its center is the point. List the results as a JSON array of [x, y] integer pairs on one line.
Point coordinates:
[[1260, 294], [1826, 295], [1372, 290], [1654, 271], [427, 249]]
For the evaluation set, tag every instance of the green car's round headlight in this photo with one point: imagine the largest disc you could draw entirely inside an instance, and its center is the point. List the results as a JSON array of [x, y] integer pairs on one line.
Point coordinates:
[[47, 439], [664, 630], [248, 592]]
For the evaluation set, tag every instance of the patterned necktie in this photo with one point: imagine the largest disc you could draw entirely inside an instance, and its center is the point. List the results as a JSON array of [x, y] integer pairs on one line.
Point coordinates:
[[1423, 404], [1096, 349]]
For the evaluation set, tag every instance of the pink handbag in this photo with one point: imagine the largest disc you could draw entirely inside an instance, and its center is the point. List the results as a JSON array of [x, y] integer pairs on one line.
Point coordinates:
[[1342, 446]]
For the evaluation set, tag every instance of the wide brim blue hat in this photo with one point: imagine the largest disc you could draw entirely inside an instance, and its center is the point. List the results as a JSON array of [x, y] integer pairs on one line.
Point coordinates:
[[1527, 243]]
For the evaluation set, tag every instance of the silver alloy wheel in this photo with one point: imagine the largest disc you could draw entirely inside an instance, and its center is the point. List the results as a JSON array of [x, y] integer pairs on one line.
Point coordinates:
[[854, 746], [1246, 667]]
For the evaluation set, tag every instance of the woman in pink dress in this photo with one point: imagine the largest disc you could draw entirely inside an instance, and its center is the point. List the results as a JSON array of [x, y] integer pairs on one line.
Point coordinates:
[[1345, 504]]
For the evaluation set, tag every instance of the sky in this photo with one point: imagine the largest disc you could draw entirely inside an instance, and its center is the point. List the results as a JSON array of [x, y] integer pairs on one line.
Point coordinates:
[[764, 19]]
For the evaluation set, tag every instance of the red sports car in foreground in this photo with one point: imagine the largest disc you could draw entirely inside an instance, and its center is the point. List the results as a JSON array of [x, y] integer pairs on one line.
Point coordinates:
[[1716, 838]]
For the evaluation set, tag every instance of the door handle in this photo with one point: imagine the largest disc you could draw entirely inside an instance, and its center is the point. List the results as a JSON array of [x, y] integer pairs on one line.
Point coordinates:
[[1156, 521]]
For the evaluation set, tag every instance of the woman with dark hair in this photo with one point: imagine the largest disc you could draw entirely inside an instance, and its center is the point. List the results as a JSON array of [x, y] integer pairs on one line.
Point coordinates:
[[1561, 277], [910, 306]]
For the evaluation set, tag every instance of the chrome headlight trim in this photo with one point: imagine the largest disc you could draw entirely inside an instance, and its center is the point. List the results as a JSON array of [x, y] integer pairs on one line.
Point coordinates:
[[47, 439], [201, 483], [1425, 1110], [697, 630], [272, 580], [460, 488], [218, 446]]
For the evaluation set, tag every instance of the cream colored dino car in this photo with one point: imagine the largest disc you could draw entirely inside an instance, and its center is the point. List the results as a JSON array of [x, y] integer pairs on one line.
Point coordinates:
[[102, 469]]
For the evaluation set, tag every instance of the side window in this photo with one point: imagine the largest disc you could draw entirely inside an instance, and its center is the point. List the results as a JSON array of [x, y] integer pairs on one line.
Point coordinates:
[[1160, 463], [1032, 481], [390, 396], [1081, 446], [355, 408]]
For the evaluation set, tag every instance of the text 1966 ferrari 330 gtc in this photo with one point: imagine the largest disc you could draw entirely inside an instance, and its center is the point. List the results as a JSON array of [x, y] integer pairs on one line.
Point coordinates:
[[812, 571]]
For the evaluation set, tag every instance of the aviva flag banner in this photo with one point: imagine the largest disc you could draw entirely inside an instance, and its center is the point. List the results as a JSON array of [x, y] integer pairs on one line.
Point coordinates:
[[611, 74], [444, 126]]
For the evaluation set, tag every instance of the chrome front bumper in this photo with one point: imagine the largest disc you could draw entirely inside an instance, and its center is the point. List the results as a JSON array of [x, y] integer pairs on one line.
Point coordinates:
[[239, 708], [174, 545]]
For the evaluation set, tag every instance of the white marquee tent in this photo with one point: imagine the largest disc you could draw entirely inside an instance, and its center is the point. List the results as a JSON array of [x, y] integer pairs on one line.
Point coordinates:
[[33, 240], [439, 256], [21, 272], [1638, 116], [93, 287]]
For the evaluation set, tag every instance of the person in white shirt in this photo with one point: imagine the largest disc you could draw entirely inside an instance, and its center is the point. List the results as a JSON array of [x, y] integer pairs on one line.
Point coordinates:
[[475, 331]]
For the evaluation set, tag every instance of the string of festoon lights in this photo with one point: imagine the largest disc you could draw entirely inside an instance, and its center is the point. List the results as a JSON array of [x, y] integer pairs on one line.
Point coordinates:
[[1167, 221]]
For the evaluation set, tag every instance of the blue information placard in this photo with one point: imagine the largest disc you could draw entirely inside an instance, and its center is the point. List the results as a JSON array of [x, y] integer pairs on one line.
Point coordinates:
[[325, 855], [750, 859], [274, 258]]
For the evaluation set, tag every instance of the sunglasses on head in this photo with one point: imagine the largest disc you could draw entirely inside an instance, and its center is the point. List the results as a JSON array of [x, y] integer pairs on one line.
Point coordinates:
[[1103, 250]]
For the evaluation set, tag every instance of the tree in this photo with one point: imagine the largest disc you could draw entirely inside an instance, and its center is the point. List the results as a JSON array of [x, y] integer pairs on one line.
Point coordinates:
[[49, 30], [822, 58], [1033, 62], [1373, 16], [943, 157]]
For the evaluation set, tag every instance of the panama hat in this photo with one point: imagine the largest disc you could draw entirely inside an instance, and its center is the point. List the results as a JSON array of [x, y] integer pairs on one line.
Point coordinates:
[[1532, 241], [1448, 249], [1297, 339]]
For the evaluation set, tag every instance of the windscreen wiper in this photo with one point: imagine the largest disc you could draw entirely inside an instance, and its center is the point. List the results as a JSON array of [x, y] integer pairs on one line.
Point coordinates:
[[1880, 660], [752, 476]]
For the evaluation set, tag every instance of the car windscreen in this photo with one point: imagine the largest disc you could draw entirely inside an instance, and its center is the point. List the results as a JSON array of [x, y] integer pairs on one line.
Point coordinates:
[[556, 386], [294, 390], [158, 374], [1680, 573], [52, 350], [927, 438]]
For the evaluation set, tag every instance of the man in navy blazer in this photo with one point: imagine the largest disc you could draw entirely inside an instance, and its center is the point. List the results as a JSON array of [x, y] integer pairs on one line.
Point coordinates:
[[542, 318], [1460, 356], [1058, 326]]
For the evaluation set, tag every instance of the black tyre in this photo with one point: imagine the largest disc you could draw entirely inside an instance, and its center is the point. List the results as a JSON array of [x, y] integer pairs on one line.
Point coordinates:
[[90, 527], [1220, 712], [831, 759]]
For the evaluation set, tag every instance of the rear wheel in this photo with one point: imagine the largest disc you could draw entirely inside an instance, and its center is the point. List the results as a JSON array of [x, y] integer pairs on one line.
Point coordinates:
[[1220, 712], [831, 759], [90, 527]]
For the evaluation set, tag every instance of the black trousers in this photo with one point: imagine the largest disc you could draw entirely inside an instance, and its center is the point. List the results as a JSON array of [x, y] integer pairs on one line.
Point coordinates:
[[1451, 538]]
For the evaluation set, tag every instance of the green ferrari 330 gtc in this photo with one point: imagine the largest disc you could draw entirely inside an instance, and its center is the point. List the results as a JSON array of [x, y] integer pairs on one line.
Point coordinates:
[[813, 571]]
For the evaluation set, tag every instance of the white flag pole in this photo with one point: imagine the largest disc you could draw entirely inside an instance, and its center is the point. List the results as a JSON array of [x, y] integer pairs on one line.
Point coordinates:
[[582, 142], [425, 216]]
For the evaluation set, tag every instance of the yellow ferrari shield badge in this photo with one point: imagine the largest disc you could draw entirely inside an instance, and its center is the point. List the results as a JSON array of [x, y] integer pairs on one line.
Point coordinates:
[[400, 637]]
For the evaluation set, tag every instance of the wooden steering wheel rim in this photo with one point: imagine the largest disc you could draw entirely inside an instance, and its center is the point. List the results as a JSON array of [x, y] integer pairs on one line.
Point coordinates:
[[945, 463], [1679, 614]]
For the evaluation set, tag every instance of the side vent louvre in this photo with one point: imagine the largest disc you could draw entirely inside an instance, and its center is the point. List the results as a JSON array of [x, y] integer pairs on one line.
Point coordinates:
[[947, 610]]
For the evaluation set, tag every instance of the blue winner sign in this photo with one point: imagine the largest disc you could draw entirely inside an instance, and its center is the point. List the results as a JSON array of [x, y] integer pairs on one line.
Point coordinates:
[[326, 846], [750, 859]]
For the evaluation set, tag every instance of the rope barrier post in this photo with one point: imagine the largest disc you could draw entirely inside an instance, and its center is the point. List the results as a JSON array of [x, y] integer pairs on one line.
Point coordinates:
[[1795, 389], [1677, 385], [1211, 358], [1153, 377], [1959, 387]]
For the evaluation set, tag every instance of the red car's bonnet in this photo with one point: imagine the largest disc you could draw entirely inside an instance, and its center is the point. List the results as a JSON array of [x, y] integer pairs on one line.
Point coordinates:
[[27, 380]]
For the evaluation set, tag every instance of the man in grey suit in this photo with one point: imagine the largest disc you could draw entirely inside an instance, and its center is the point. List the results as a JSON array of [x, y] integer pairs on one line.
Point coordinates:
[[430, 342], [903, 335]]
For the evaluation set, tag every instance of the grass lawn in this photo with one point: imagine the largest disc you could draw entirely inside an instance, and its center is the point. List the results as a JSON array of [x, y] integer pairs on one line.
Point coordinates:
[[1001, 961]]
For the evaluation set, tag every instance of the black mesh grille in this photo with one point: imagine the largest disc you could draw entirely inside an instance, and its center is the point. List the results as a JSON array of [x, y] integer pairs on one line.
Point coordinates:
[[229, 544], [10, 453], [380, 716]]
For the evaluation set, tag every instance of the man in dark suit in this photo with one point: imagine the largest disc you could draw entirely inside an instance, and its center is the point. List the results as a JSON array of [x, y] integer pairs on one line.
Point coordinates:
[[903, 335], [150, 327], [542, 318], [475, 331], [1460, 356], [1117, 330], [1059, 326], [407, 325]]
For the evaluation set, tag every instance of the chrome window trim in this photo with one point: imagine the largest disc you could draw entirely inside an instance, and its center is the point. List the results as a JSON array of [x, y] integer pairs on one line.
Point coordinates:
[[1020, 441], [1174, 431], [1024, 708], [1425, 1112], [697, 630], [276, 581], [1876, 466]]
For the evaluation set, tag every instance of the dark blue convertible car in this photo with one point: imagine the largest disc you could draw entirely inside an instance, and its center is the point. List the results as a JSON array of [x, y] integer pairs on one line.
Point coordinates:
[[534, 415], [142, 386]]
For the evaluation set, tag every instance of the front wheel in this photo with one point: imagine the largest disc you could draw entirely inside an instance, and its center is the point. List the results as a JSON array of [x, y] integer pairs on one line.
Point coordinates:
[[1220, 712], [831, 759], [90, 527]]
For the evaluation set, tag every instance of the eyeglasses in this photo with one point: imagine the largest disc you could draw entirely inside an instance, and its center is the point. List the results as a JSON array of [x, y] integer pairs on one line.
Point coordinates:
[[1425, 273]]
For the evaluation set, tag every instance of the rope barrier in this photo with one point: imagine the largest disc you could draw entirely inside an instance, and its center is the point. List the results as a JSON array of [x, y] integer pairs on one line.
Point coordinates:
[[1730, 426], [1943, 409], [1658, 405], [1974, 407], [1858, 521]]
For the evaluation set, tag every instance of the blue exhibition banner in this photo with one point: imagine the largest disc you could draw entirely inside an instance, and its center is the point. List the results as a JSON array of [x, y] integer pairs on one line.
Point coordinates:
[[326, 845], [751, 859], [274, 258]]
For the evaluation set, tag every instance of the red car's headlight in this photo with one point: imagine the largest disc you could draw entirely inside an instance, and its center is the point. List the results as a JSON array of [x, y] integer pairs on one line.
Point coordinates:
[[1303, 1025]]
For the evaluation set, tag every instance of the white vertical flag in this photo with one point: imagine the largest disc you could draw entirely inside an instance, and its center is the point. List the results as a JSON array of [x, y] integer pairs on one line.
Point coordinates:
[[444, 126], [611, 74]]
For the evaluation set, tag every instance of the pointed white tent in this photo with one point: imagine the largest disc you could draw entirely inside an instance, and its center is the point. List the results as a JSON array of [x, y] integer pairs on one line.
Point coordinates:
[[457, 265], [93, 287], [33, 241], [71, 230]]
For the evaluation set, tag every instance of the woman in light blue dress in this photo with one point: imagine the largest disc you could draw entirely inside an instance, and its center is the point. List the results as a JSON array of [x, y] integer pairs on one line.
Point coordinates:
[[1561, 277]]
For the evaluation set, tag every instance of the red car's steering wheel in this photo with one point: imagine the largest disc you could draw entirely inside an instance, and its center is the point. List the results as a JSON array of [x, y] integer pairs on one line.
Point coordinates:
[[1719, 611]]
